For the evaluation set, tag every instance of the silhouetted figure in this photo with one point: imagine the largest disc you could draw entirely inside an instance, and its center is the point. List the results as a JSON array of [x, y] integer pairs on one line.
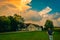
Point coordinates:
[[50, 34]]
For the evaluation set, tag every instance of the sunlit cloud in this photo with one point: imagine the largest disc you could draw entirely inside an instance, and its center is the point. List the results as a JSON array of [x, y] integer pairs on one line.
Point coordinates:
[[45, 16], [31, 15], [58, 19], [45, 11], [20, 4], [11, 7]]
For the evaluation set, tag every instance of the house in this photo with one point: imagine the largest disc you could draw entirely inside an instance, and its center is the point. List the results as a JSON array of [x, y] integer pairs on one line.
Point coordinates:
[[33, 27], [30, 27]]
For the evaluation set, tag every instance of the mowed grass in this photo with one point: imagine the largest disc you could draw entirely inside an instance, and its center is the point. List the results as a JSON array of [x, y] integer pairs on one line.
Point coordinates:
[[27, 36], [56, 36]]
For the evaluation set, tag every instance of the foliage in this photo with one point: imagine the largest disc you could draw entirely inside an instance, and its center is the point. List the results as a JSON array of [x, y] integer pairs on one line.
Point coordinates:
[[49, 24], [4, 23], [10, 23], [19, 21]]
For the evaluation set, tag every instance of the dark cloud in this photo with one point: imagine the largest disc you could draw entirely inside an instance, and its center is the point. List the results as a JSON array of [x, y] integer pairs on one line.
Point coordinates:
[[33, 18], [56, 15]]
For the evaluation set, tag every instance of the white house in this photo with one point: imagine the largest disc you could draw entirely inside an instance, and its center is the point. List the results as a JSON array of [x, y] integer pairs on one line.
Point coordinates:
[[32, 27]]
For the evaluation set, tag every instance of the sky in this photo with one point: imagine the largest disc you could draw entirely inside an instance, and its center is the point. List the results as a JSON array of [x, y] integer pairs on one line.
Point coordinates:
[[41, 4], [33, 11]]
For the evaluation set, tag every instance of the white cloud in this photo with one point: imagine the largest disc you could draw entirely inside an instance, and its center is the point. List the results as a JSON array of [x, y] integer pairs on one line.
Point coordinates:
[[45, 16], [52, 17], [31, 15], [45, 11], [38, 17]]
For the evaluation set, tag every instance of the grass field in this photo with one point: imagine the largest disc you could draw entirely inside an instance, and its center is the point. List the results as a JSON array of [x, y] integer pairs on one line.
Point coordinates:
[[27, 36]]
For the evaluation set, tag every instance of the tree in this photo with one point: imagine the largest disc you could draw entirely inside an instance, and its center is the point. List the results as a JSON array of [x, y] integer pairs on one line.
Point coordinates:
[[4, 24], [19, 21], [15, 21], [49, 24], [18, 18], [11, 23]]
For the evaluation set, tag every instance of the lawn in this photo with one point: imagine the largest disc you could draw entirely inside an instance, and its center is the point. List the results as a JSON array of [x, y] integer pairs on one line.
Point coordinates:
[[27, 36]]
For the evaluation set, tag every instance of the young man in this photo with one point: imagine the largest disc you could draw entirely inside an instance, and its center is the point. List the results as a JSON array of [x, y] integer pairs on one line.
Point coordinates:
[[50, 33]]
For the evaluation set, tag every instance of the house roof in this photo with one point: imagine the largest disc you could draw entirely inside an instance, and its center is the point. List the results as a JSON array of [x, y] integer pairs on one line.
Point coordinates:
[[32, 24]]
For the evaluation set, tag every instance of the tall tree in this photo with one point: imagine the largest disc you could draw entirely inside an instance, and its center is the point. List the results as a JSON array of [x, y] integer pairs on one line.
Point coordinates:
[[4, 23], [19, 21], [15, 21], [49, 24], [12, 24]]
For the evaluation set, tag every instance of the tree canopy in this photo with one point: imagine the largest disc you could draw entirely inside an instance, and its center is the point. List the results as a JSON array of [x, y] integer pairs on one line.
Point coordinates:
[[10, 23], [49, 24]]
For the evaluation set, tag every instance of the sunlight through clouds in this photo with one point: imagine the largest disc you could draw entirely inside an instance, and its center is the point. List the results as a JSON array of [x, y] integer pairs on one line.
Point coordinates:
[[20, 7], [20, 4]]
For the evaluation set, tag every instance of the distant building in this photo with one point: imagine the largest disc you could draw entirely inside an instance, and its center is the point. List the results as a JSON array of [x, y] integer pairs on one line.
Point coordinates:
[[33, 27], [30, 27]]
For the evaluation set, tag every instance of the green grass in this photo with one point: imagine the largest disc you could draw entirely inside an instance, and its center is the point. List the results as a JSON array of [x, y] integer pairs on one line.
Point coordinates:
[[56, 36], [27, 36]]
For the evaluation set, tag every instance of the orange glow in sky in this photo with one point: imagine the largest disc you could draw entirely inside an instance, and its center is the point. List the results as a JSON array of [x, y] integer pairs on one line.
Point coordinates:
[[20, 4]]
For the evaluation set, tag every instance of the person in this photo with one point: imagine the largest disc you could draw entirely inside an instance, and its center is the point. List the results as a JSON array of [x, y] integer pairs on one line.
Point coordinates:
[[50, 34]]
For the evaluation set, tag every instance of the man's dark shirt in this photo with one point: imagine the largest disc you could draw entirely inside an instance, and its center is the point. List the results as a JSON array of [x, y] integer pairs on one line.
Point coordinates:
[[50, 32]]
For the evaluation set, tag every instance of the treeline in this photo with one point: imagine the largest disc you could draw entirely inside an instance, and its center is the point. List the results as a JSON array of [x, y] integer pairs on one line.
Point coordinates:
[[11, 23], [16, 22]]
